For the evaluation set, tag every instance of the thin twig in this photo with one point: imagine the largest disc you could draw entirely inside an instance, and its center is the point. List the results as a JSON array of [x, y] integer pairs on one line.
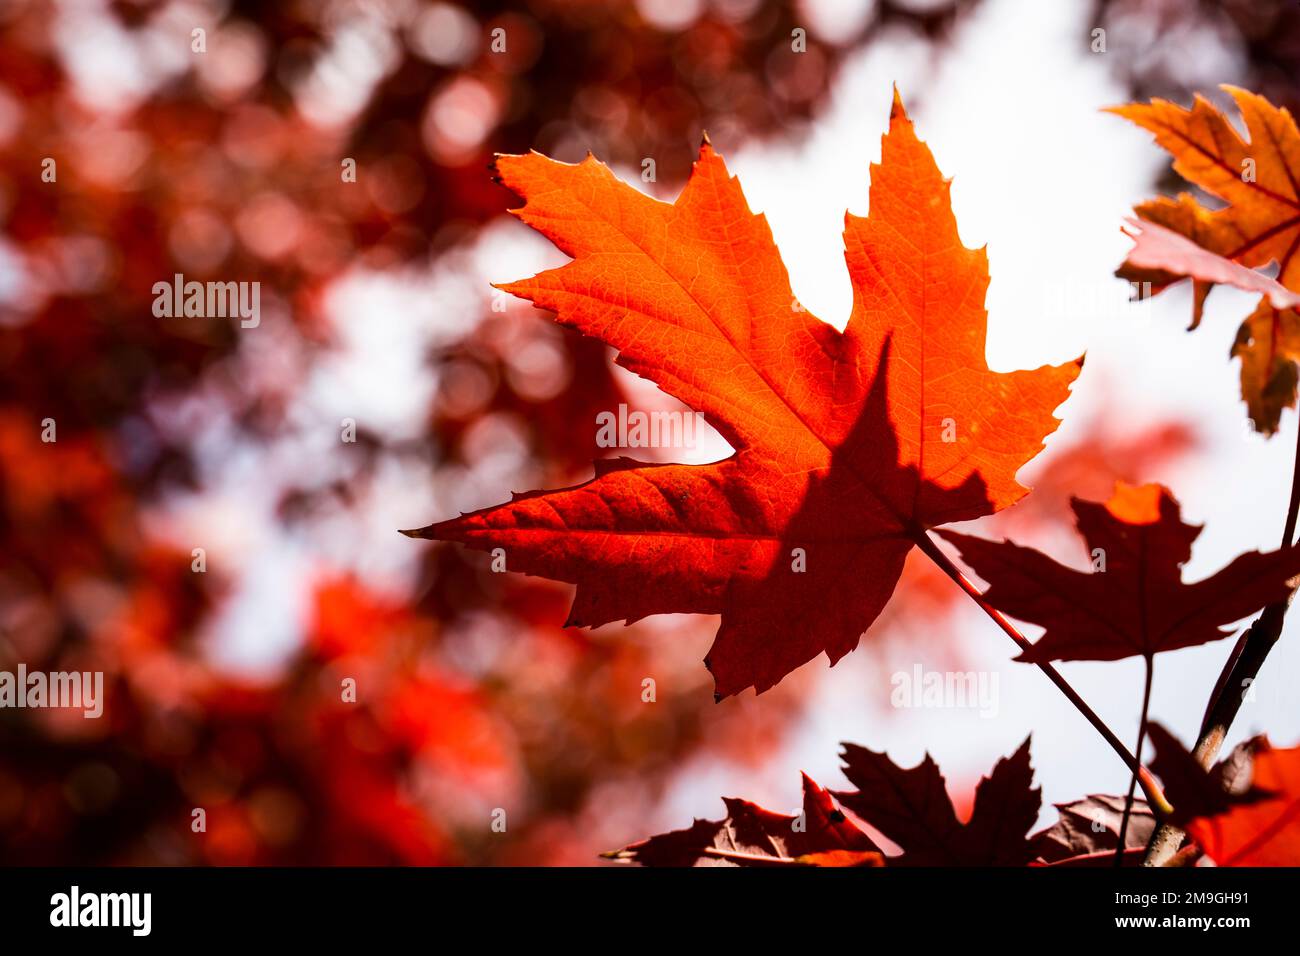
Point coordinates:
[[740, 856], [1155, 796], [1148, 660]]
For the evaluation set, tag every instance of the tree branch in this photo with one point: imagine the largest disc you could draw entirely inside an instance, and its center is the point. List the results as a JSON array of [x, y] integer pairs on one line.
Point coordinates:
[[1239, 674]]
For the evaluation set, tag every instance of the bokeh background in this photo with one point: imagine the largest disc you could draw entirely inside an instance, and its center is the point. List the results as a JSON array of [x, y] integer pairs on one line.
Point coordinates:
[[176, 434]]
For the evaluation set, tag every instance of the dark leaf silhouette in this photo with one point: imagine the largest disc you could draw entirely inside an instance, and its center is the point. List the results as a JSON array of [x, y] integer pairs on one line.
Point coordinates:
[[912, 808], [1087, 832], [1135, 602], [752, 836]]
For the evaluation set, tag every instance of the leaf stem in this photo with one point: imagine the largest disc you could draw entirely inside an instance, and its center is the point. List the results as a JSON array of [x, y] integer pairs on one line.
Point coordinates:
[[739, 856], [736, 856], [1149, 662], [1155, 796], [1293, 506]]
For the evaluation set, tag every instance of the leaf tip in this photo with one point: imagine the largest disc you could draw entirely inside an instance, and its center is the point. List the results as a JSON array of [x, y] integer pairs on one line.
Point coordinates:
[[896, 109]]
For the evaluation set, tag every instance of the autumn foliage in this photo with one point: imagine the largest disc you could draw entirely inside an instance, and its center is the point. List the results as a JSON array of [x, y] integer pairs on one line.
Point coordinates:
[[1258, 181], [200, 536], [225, 165], [850, 447], [842, 444]]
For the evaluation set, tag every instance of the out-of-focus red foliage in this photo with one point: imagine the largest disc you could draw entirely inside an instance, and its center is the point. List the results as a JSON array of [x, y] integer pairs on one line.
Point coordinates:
[[1153, 38], [227, 165]]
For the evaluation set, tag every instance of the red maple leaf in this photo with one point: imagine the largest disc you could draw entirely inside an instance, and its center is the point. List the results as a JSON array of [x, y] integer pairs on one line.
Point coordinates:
[[1245, 811], [911, 807], [751, 836], [1135, 601], [1087, 833], [1258, 832], [847, 446]]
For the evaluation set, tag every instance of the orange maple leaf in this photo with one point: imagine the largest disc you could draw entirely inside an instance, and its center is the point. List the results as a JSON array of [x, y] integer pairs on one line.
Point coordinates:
[[847, 446], [1262, 832], [1256, 178], [1259, 181]]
